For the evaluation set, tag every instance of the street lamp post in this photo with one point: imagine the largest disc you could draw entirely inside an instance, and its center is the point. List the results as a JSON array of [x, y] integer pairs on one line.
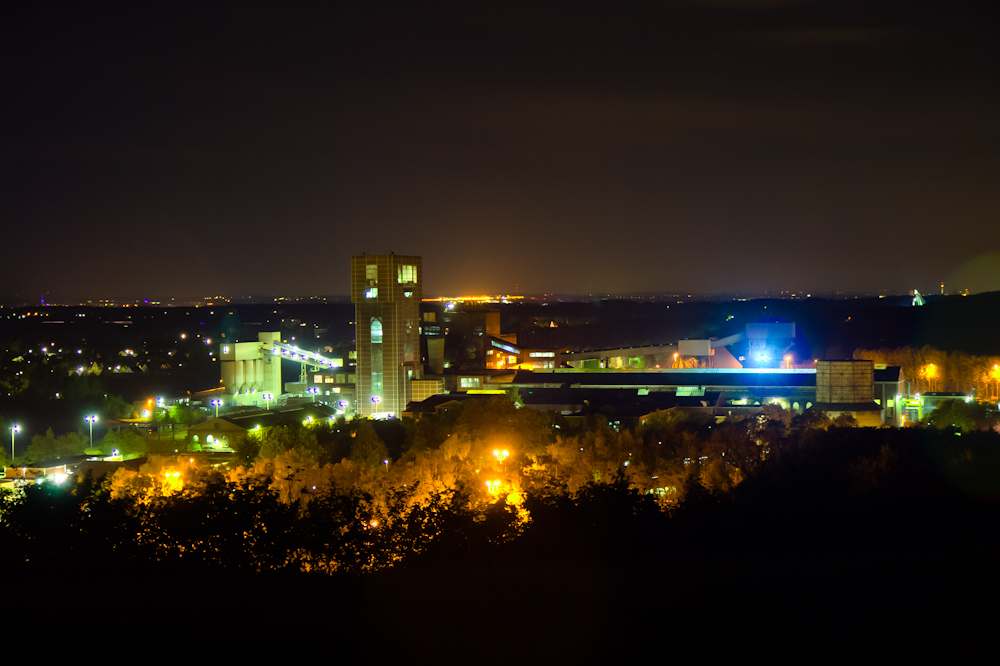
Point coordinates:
[[268, 397], [13, 431], [376, 399], [314, 391], [92, 419], [216, 403]]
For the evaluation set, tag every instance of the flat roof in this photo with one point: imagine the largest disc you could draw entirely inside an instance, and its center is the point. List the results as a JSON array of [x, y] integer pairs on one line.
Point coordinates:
[[716, 377]]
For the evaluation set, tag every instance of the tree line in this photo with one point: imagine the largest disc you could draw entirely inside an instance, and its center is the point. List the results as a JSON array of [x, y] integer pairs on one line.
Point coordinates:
[[450, 489], [930, 369]]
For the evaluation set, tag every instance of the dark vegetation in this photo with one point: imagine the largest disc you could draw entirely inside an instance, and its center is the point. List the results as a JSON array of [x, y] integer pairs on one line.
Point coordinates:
[[836, 539]]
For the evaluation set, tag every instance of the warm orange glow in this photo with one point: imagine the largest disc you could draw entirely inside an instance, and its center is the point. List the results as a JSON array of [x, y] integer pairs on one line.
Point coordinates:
[[172, 482], [473, 299], [929, 372]]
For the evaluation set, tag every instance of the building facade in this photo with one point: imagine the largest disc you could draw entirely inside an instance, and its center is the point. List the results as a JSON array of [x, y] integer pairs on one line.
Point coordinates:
[[249, 370], [386, 292]]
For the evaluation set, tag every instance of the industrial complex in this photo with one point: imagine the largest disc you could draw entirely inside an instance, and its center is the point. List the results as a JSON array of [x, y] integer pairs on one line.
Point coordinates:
[[412, 357]]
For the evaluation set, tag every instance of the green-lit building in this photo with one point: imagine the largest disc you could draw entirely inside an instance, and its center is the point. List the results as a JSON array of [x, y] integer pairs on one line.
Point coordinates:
[[386, 292]]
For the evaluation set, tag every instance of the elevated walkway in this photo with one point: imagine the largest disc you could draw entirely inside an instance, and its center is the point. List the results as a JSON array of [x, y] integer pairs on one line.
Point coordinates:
[[311, 359]]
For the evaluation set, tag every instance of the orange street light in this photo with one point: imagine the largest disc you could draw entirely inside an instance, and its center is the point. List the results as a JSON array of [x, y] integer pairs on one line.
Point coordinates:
[[930, 373]]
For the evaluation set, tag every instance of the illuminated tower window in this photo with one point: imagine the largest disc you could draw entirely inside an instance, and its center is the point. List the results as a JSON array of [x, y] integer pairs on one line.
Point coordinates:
[[376, 357]]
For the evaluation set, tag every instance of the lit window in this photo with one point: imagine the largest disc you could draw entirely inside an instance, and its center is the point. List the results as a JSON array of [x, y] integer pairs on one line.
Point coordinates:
[[406, 274], [371, 272], [376, 332], [469, 382], [542, 354], [371, 293], [503, 346]]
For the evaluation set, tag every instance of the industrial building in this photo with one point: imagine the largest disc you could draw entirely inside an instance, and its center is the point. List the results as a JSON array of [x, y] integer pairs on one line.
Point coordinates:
[[220, 433], [386, 292], [389, 374], [249, 370], [474, 331], [872, 395]]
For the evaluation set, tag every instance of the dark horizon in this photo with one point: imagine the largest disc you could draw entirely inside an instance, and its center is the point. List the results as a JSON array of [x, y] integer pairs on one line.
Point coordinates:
[[902, 299], [717, 146]]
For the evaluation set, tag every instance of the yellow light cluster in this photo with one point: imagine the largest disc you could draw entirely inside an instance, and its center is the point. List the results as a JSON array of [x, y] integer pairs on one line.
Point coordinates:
[[472, 299], [172, 482]]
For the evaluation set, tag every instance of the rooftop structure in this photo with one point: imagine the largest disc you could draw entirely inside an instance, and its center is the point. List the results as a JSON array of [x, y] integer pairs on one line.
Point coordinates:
[[250, 370]]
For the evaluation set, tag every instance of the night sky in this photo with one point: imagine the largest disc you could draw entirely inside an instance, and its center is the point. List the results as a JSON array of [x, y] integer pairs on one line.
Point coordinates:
[[159, 149]]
